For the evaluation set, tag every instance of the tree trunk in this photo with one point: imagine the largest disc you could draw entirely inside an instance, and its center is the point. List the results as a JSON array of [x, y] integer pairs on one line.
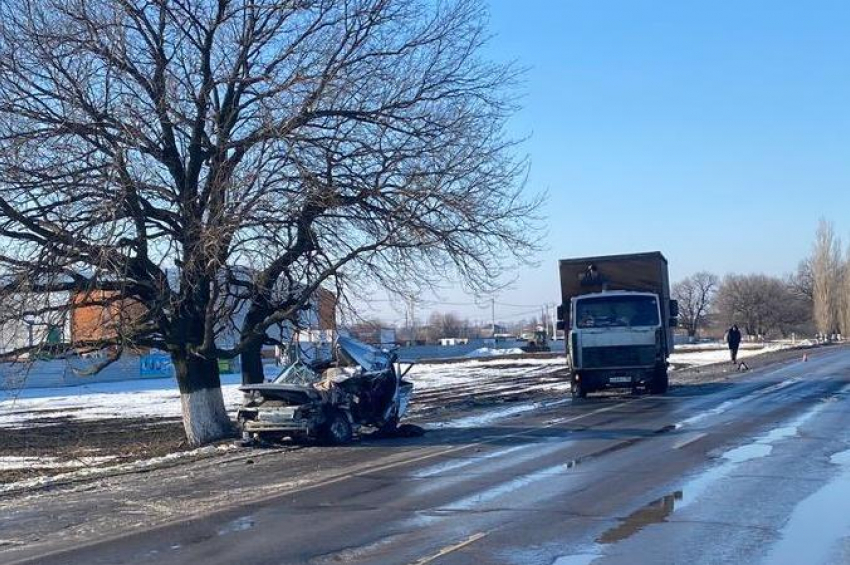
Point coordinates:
[[204, 417], [252, 365]]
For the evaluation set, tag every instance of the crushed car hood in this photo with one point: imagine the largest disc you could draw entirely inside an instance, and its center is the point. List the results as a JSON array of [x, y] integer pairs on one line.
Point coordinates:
[[296, 394]]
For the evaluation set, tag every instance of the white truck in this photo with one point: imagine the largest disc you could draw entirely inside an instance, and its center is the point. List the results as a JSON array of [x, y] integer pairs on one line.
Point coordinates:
[[618, 319]]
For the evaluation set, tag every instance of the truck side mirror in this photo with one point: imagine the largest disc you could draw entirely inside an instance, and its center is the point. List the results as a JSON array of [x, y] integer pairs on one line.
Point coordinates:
[[674, 322], [560, 312], [560, 325], [674, 309]]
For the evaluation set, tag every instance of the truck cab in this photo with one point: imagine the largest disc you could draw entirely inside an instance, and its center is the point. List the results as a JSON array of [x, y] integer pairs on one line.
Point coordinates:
[[618, 317]]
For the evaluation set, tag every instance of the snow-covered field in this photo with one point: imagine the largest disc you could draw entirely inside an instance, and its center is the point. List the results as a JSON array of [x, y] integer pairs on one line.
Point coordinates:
[[159, 398], [148, 398]]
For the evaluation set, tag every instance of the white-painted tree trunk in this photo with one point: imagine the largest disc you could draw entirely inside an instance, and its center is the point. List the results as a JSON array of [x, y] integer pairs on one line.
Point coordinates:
[[204, 416]]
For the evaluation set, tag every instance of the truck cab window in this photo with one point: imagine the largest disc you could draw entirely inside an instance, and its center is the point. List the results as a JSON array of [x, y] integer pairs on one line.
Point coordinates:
[[617, 311]]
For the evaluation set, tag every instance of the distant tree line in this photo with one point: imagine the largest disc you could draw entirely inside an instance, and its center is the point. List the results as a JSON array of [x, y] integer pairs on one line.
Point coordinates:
[[815, 299], [441, 325]]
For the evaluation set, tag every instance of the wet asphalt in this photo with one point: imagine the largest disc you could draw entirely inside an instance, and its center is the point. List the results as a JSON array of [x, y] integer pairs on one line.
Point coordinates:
[[752, 472]]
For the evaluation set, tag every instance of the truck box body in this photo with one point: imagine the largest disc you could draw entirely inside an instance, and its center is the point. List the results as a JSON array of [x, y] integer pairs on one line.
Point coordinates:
[[624, 331]]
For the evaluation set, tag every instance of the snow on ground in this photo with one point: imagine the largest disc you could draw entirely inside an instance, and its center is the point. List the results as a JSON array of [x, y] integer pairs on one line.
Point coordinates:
[[11, 462], [147, 398], [703, 356], [159, 398], [469, 373], [90, 470]]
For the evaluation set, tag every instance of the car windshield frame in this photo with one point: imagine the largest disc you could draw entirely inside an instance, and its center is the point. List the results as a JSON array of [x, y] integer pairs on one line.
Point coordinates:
[[620, 311]]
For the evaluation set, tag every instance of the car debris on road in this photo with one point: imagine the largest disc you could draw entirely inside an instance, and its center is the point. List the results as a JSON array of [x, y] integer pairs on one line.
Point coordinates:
[[330, 401]]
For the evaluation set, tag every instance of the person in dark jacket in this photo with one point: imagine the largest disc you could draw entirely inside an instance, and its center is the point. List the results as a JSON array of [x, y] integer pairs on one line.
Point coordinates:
[[733, 338]]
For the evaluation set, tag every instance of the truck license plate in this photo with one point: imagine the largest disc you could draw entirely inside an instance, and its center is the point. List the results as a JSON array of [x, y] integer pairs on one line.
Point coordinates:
[[620, 379]]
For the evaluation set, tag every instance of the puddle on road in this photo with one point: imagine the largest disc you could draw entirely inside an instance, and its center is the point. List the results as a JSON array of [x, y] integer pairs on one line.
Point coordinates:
[[818, 523], [842, 458], [579, 559], [729, 404], [655, 512], [237, 525], [357, 553], [658, 511], [748, 452], [732, 458]]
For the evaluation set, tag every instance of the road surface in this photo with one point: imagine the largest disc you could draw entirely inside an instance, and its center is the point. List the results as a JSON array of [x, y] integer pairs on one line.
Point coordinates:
[[755, 472]]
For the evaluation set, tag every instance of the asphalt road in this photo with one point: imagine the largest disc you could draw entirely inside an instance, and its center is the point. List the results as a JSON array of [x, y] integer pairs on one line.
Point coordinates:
[[755, 472]]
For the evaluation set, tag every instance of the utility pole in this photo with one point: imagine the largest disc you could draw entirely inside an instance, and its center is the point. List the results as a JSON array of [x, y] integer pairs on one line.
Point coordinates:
[[493, 317], [554, 318]]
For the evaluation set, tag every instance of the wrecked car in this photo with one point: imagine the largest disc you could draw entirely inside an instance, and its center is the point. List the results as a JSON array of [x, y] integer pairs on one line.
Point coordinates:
[[329, 401]]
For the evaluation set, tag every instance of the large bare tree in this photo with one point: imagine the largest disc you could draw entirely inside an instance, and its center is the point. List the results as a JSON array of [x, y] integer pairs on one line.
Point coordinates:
[[695, 294], [219, 162]]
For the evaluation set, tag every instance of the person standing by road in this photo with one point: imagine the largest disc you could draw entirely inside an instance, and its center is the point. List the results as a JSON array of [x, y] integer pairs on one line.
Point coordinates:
[[733, 338]]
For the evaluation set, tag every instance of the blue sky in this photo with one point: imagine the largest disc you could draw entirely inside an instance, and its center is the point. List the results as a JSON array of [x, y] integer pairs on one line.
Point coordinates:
[[716, 132]]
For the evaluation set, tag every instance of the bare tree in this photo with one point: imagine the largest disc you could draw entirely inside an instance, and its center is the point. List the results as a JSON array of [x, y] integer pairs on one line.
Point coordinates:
[[800, 304], [761, 304], [802, 281], [826, 266], [445, 324], [695, 294], [844, 293], [221, 162]]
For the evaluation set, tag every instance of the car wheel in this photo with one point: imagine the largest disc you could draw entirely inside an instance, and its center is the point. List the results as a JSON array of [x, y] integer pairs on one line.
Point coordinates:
[[337, 429], [389, 428]]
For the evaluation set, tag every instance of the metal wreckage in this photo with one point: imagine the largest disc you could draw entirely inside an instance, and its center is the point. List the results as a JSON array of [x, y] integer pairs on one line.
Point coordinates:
[[329, 400]]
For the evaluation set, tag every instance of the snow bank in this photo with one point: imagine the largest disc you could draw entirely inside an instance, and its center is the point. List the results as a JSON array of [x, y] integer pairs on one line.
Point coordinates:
[[489, 352], [701, 357]]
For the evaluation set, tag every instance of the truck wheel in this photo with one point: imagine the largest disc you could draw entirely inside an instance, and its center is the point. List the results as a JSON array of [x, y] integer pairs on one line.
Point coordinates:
[[578, 388], [336, 430], [660, 382]]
